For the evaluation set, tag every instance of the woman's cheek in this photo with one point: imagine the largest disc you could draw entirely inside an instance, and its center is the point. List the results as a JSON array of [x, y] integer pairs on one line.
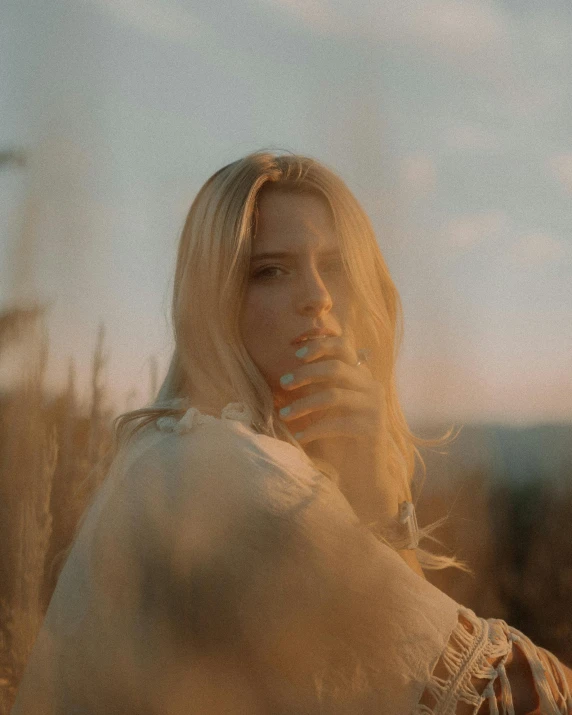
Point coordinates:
[[263, 331]]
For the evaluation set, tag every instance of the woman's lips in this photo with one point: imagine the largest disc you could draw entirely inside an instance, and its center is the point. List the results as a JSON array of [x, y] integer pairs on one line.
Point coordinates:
[[300, 341]]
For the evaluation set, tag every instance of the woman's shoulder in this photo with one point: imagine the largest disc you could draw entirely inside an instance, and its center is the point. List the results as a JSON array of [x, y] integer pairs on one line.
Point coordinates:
[[187, 432], [190, 417], [193, 451], [197, 436], [233, 435]]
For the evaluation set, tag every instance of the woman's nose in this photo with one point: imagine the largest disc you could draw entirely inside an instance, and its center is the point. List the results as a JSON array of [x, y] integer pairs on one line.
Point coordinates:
[[313, 297]]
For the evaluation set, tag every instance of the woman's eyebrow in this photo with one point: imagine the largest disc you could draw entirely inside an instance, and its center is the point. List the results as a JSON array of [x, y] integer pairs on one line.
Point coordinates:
[[290, 254]]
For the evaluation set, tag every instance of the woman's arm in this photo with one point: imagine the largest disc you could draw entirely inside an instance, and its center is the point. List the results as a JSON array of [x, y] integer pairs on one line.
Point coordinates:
[[361, 472], [525, 685], [259, 581], [286, 576]]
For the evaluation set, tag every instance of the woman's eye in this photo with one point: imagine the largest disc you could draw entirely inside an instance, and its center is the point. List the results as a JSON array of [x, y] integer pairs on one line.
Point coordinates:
[[266, 272], [271, 271]]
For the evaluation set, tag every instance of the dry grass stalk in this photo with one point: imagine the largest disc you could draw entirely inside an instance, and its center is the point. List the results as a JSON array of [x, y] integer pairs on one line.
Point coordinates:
[[51, 460], [30, 457]]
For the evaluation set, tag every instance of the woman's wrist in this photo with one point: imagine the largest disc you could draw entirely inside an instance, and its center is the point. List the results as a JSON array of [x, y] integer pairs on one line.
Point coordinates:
[[362, 477], [377, 503]]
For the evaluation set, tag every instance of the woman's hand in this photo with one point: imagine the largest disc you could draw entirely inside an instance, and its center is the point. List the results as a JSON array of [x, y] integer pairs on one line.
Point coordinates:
[[328, 396], [336, 412]]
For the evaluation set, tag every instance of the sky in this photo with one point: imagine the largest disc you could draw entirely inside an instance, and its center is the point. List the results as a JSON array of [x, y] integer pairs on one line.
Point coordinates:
[[450, 121]]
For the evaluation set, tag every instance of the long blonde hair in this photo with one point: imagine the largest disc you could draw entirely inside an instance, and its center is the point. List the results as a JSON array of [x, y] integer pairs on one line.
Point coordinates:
[[211, 279]]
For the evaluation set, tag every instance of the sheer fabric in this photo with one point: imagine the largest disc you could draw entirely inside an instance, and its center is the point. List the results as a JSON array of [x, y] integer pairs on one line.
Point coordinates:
[[218, 571]]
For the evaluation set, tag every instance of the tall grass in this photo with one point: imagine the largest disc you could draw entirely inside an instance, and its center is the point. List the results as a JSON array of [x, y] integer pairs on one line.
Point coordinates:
[[53, 455], [28, 460]]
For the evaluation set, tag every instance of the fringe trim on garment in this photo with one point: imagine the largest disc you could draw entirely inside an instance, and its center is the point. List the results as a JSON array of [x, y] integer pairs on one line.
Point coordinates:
[[467, 656]]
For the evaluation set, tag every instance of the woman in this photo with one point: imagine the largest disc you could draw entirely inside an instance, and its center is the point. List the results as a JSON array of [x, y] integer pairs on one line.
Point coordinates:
[[253, 549]]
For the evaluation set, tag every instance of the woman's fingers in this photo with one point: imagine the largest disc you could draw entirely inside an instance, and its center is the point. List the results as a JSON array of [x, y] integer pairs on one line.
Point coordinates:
[[350, 405], [329, 395], [332, 397], [334, 371], [327, 347], [328, 427], [334, 348]]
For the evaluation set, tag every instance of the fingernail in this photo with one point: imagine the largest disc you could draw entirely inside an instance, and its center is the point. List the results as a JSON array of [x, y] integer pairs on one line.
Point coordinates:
[[298, 435], [301, 352], [287, 379], [284, 411]]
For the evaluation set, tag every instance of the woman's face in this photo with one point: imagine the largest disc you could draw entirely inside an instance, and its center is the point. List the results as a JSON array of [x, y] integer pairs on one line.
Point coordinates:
[[296, 282]]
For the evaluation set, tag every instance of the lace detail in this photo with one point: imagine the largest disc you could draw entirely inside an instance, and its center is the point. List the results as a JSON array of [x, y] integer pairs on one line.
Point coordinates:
[[236, 411], [468, 655]]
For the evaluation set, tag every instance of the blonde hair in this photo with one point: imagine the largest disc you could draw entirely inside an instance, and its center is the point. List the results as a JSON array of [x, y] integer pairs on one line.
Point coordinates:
[[211, 279]]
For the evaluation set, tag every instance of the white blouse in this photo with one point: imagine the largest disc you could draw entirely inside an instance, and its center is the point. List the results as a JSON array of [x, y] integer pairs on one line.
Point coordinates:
[[218, 571]]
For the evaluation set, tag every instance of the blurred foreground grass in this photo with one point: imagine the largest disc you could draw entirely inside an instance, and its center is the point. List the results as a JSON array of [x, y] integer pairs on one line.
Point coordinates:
[[54, 453]]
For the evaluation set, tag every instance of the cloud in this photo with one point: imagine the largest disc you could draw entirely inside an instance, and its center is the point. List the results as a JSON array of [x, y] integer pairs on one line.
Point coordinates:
[[471, 229], [548, 32], [316, 14], [168, 21], [458, 26], [518, 248], [561, 166], [538, 249], [417, 174], [463, 137]]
